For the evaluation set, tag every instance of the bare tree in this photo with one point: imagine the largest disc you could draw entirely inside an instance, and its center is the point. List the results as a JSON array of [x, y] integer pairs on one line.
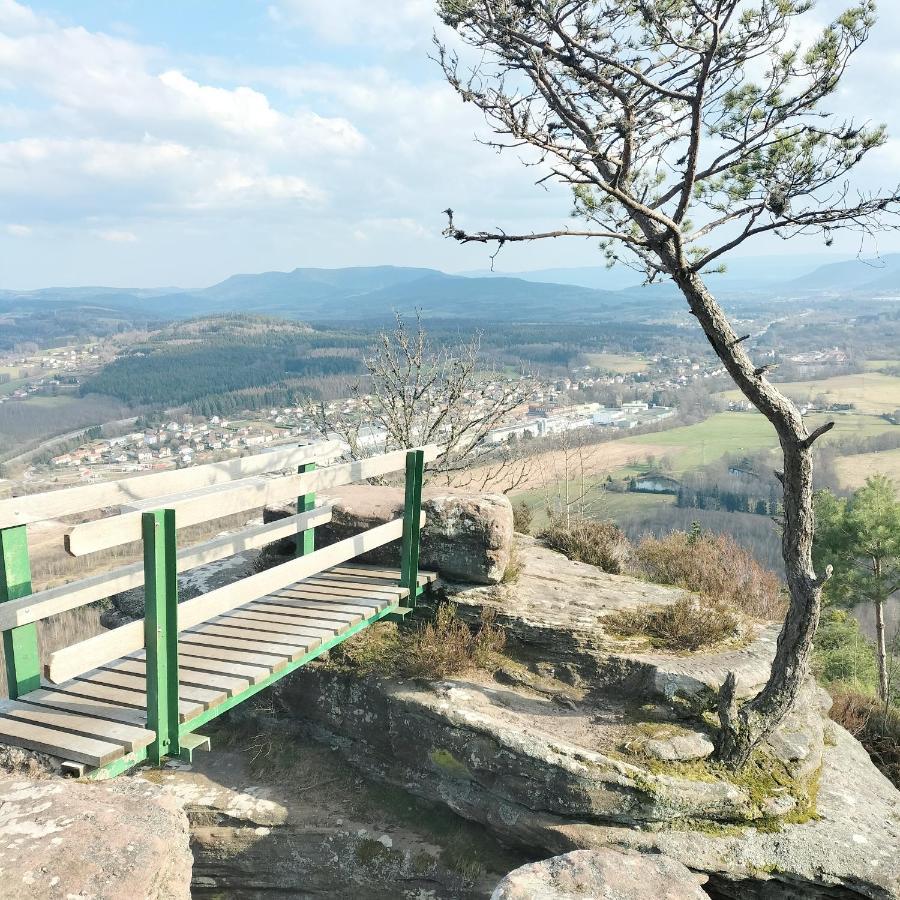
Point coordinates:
[[685, 128], [418, 393]]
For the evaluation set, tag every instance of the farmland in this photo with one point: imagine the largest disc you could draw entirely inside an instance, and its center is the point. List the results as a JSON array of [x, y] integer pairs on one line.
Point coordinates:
[[869, 392]]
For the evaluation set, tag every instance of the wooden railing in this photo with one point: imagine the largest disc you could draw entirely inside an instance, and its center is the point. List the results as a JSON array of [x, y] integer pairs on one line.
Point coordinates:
[[189, 497]]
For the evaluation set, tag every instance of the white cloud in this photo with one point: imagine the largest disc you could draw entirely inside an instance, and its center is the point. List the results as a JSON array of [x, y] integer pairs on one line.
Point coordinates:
[[22, 231], [122, 131], [399, 24], [117, 237]]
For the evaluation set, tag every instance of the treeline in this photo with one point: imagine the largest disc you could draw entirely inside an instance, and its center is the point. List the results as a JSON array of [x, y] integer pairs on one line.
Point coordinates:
[[226, 366], [713, 498]]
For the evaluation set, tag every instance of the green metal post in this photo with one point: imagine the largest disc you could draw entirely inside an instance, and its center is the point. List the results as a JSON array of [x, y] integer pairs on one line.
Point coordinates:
[[161, 631], [20, 645], [306, 540], [412, 509]]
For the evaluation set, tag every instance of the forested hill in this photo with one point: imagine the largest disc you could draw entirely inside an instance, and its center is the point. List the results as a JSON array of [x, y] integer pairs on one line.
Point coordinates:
[[360, 294], [222, 365]]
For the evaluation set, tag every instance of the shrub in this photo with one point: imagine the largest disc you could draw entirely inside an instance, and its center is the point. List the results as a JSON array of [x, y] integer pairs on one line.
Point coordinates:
[[687, 624], [523, 516], [875, 725], [714, 566], [842, 654], [437, 649], [448, 646], [600, 544]]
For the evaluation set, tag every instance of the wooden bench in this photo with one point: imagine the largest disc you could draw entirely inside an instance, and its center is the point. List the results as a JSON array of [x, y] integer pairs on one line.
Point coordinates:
[[141, 690]]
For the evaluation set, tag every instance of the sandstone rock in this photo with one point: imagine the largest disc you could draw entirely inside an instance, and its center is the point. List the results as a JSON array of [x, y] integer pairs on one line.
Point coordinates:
[[602, 875], [120, 840], [554, 616], [467, 536], [678, 747]]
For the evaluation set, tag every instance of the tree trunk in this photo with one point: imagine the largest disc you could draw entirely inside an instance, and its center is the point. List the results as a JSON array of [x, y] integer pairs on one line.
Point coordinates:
[[881, 650], [742, 728]]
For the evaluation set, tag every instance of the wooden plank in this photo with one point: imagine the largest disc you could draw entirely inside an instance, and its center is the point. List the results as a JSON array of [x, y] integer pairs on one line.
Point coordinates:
[[380, 573], [333, 598], [70, 596], [118, 642], [315, 605], [253, 674], [112, 531], [262, 649], [123, 697], [207, 698], [91, 751], [302, 613], [84, 706], [199, 655], [52, 504], [358, 580], [270, 637], [186, 676], [332, 585], [252, 614], [243, 623], [131, 737]]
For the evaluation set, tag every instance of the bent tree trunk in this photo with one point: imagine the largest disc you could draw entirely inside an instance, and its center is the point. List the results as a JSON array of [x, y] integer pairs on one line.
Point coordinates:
[[742, 728]]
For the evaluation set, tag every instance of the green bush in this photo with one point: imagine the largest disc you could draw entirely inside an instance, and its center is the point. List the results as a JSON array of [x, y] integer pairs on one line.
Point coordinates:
[[842, 655], [523, 516]]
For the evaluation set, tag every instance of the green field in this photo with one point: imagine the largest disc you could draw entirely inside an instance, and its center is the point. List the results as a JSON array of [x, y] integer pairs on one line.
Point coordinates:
[[743, 432], [599, 505], [697, 445], [869, 392], [618, 362]]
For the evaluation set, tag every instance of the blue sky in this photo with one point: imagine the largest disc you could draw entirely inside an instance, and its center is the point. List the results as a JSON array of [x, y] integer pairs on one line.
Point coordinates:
[[181, 141]]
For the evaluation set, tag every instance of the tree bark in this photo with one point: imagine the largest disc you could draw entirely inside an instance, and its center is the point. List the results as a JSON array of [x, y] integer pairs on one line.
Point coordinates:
[[881, 649], [743, 727]]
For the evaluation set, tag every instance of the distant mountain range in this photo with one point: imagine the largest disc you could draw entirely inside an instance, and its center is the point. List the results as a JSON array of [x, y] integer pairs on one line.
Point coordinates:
[[368, 293]]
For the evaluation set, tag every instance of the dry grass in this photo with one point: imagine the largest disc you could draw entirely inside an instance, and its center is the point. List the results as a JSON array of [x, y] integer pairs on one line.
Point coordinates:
[[591, 541], [514, 567], [447, 646], [874, 725], [714, 566], [688, 624], [432, 650]]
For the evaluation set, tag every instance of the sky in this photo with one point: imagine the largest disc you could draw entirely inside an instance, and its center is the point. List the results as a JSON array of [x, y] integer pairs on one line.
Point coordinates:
[[177, 142]]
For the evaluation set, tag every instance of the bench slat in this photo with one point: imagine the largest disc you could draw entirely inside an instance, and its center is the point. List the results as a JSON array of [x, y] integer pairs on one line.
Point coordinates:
[[113, 531], [131, 737], [91, 751], [52, 504], [47, 603]]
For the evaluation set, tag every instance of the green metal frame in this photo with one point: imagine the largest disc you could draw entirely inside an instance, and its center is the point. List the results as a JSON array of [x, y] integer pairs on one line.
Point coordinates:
[[306, 540], [412, 513], [161, 619], [210, 714], [20, 645], [161, 631]]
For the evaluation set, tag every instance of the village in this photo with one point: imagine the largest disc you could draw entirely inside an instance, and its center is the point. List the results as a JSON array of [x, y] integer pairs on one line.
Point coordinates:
[[176, 439]]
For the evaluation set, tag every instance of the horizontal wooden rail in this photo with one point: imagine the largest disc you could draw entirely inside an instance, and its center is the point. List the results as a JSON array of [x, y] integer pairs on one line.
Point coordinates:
[[51, 504], [104, 648], [48, 603], [229, 499]]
